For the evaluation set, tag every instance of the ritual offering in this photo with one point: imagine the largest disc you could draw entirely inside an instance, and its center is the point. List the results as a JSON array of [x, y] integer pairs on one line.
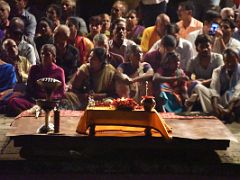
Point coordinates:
[[148, 102], [49, 85], [125, 104]]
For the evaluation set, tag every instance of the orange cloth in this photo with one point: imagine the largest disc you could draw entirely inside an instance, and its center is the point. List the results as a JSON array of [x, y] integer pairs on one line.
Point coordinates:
[[114, 120], [150, 36], [194, 25]]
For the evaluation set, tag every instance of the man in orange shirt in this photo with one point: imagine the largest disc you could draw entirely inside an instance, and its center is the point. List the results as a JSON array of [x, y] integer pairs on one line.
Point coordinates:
[[154, 33], [187, 23]]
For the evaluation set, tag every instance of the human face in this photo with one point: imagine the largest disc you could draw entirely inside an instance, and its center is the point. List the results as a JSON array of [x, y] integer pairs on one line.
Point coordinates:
[[103, 45], [231, 62], [60, 41], [51, 14], [47, 57], [161, 24], [106, 22], [95, 64], [119, 32], [19, 6], [132, 20], [226, 29], [95, 28], [182, 13], [67, 6], [44, 29], [116, 11], [164, 50], [12, 49], [204, 49], [229, 15], [4, 13], [135, 59], [72, 27]]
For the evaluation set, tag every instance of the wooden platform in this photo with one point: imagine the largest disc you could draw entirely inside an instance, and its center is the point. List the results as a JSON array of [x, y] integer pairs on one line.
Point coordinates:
[[188, 133], [102, 156]]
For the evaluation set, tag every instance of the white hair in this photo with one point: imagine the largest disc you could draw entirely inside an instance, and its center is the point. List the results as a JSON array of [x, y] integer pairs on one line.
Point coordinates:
[[224, 10], [62, 29], [5, 5]]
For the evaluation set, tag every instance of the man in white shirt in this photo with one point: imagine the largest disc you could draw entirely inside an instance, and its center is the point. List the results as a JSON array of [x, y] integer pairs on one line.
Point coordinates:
[[211, 16], [222, 98], [224, 38], [184, 48]]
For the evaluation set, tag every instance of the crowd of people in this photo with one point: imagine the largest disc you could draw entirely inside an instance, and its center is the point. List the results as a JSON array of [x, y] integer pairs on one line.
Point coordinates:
[[189, 63]]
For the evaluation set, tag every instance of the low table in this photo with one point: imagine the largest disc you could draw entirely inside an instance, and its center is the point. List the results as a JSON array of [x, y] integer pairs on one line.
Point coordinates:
[[106, 116], [188, 132]]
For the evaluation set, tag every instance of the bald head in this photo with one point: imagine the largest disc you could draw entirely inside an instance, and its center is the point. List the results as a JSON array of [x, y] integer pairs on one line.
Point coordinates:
[[162, 21]]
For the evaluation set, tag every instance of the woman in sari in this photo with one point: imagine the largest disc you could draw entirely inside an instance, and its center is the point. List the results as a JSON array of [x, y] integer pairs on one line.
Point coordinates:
[[173, 89], [134, 30], [95, 79], [83, 44], [47, 68], [138, 71]]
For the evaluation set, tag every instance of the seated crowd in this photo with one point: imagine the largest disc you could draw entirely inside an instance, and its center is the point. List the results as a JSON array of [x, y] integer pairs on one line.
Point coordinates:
[[189, 65]]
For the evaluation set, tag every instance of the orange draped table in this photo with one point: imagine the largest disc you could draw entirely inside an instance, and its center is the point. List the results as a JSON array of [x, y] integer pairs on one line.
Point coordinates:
[[102, 119]]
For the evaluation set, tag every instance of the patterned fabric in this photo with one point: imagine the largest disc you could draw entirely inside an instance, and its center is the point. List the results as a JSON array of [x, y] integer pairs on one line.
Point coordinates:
[[172, 92]]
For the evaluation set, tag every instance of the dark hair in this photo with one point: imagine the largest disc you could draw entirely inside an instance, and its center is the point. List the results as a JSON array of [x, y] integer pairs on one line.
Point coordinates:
[[116, 22], [80, 25], [101, 54], [95, 19], [169, 41], [211, 15], [170, 56], [172, 28], [229, 22], [48, 21], [188, 5], [132, 49], [203, 38], [132, 11], [231, 52], [17, 25], [50, 47], [57, 8]]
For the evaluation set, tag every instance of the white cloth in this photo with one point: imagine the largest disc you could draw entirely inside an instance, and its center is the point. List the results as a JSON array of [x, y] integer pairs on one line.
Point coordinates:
[[184, 49], [216, 84], [205, 94], [192, 36], [25, 49], [233, 43], [194, 66]]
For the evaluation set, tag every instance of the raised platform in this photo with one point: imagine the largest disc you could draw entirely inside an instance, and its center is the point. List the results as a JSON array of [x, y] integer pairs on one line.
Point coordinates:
[[100, 156], [189, 132]]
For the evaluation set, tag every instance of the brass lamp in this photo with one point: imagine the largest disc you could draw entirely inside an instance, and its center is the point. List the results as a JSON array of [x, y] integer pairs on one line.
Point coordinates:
[[49, 85]]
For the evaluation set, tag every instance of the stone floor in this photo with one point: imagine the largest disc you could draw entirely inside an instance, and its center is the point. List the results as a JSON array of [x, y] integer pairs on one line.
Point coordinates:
[[224, 163]]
